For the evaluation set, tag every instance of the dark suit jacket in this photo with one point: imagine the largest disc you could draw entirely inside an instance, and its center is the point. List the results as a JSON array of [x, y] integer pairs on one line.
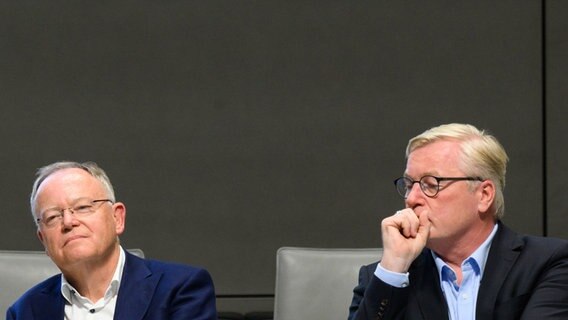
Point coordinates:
[[525, 277], [148, 290]]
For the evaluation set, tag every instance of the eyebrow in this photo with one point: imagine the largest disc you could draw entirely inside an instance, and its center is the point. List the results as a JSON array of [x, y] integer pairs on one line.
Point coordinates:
[[428, 173], [71, 203]]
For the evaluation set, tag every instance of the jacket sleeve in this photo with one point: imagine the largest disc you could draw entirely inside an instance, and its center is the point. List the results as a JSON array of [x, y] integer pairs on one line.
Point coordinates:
[[195, 299], [9, 315], [374, 299], [549, 299], [358, 292]]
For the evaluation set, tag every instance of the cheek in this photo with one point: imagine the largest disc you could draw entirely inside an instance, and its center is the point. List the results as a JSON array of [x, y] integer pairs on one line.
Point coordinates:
[[49, 242], [441, 211], [43, 237], [104, 228]]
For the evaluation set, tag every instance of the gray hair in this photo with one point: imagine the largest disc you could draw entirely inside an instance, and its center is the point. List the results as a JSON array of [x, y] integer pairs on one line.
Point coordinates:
[[92, 168]]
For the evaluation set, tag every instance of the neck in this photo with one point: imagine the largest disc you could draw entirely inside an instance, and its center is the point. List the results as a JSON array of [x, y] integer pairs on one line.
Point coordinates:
[[454, 251], [92, 278]]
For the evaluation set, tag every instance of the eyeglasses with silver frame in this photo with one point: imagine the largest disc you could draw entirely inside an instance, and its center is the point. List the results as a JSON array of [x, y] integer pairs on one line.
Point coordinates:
[[53, 217]]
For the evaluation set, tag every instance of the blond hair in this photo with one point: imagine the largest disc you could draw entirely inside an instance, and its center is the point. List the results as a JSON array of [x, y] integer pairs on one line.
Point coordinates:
[[481, 155]]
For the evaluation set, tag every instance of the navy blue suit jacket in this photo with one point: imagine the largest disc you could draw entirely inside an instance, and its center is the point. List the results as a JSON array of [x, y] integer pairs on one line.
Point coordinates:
[[525, 277], [149, 289]]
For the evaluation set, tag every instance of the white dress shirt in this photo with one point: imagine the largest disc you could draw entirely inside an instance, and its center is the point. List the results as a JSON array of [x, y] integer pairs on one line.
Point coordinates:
[[78, 307]]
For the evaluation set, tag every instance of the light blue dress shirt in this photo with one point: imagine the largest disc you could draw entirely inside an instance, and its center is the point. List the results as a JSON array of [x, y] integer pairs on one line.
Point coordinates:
[[461, 299]]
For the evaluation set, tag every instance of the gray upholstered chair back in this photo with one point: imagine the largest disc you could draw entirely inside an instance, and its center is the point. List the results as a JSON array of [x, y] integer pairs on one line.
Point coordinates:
[[21, 270], [314, 283]]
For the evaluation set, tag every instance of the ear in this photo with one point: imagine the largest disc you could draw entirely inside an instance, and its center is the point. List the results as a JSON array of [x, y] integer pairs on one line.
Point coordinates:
[[486, 194], [42, 240], [119, 216]]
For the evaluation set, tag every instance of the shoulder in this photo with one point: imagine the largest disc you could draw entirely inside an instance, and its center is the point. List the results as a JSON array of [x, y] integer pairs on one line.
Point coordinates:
[[544, 246], [528, 251], [46, 286], [169, 271], [41, 291], [529, 243], [173, 267], [163, 265], [370, 267]]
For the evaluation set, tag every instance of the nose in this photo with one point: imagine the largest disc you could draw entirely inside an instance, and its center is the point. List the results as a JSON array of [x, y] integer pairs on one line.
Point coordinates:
[[413, 195], [68, 218]]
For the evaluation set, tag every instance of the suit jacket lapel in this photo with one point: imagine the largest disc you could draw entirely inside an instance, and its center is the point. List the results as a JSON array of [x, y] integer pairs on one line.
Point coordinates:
[[50, 304], [503, 253], [137, 287], [429, 296]]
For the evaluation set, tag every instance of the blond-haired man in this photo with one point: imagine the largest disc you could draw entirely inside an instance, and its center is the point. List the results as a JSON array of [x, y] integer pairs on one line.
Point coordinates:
[[447, 255]]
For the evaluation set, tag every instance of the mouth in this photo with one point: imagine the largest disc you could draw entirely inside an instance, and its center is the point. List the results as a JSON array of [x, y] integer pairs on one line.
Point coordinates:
[[72, 238]]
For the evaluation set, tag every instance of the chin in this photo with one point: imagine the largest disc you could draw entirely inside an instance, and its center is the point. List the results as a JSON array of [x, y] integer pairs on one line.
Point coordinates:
[[78, 252], [434, 240]]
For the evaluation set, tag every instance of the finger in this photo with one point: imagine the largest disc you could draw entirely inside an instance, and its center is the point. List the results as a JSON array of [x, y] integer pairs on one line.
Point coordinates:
[[409, 223], [400, 212], [405, 226], [424, 229]]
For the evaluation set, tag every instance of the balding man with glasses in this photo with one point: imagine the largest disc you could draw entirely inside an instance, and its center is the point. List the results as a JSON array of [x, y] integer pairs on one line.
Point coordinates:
[[79, 222], [447, 255]]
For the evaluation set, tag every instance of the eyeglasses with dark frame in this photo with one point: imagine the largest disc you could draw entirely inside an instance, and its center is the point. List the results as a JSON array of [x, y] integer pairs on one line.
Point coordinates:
[[53, 217], [430, 185]]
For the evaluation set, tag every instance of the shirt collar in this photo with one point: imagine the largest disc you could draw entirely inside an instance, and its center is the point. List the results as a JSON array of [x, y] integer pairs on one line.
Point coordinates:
[[478, 257], [68, 291]]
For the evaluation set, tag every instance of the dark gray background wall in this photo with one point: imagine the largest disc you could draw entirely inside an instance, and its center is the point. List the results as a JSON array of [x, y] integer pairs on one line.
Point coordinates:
[[232, 128], [556, 95]]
